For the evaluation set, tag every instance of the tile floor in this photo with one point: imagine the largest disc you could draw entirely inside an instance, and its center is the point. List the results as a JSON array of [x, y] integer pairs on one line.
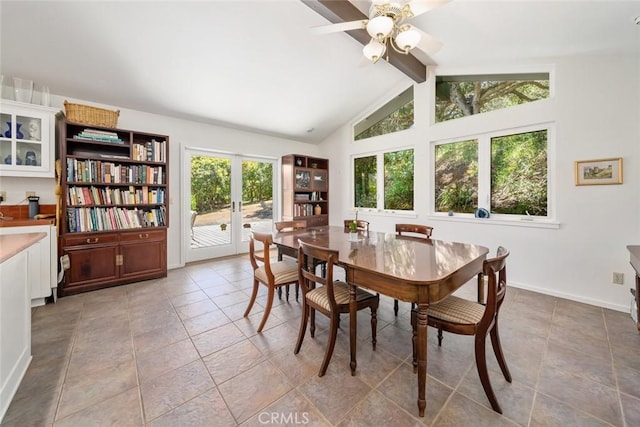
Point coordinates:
[[177, 352]]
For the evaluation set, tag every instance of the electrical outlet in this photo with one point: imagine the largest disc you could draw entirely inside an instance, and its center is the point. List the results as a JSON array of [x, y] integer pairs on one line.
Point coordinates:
[[618, 278], [3, 196], [28, 194]]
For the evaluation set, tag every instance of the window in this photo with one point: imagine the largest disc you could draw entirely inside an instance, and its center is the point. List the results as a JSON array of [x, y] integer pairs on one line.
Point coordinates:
[[395, 178], [506, 173], [394, 116], [460, 96], [456, 176]]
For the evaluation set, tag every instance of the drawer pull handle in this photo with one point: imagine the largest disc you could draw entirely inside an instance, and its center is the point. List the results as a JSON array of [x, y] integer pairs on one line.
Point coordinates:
[[94, 240], [143, 236]]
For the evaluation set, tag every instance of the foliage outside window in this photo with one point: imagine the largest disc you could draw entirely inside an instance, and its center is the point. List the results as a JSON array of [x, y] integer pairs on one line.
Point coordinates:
[[456, 176], [211, 182], [398, 180], [391, 171], [365, 181], [394, 116], [518, 174], [460, 96]]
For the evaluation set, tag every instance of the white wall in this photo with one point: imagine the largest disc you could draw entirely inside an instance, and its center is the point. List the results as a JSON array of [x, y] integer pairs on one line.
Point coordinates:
[[181, 133], [595, 110]]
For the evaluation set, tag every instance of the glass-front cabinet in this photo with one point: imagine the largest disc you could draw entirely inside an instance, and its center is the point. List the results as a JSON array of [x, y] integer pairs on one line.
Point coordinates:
[[27, 139]]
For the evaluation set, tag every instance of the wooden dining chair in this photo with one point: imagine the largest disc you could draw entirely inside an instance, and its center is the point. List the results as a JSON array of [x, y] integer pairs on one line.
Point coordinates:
[[321, 293], [414, 230], [460, 316], [271, 274], [283, 227]]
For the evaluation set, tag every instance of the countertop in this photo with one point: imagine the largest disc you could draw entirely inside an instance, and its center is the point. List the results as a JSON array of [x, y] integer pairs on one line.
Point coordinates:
[[14, 243], [19, 215]]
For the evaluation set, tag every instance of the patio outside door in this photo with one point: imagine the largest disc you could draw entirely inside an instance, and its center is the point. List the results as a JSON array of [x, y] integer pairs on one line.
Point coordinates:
[[229, 196]]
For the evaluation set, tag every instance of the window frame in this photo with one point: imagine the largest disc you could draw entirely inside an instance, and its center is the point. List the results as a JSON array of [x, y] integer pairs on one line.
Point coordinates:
[[381, 111], [379, 209], [484, 178]]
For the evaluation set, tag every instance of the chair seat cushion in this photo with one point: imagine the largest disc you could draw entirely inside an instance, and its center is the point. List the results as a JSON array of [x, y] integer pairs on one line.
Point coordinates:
[[283, 272], [457, 310], [320, 297]]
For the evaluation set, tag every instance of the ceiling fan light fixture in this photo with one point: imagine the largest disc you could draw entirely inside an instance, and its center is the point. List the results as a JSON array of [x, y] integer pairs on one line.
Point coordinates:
[[380, 27], [374, 50], [407, 38]]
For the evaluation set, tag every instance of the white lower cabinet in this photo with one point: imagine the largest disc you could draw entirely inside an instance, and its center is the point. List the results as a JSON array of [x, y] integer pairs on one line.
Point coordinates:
[[43, 261], [15, 326]]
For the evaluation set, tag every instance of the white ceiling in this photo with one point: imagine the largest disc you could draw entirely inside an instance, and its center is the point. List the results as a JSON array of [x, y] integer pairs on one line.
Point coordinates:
[[255, 65]]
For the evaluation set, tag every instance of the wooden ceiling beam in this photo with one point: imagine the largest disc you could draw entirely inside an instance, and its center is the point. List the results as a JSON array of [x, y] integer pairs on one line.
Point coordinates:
[[336, 11]]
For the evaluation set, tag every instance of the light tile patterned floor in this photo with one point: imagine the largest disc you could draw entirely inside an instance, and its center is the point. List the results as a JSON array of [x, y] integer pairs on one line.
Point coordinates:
[[177, 352]]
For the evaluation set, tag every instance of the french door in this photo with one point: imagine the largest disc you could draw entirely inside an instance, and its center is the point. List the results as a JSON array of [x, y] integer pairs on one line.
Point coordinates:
[[228, 197]]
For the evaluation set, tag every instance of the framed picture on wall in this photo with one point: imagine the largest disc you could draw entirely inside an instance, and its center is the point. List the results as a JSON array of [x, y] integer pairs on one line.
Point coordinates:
[[599, 171]]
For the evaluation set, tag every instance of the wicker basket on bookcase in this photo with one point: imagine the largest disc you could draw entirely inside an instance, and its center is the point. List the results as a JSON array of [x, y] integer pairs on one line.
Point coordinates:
[[87, 115]]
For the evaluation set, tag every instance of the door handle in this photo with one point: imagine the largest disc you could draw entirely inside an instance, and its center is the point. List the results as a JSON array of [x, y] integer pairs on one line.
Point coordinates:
[[239, 206], [233, 206]]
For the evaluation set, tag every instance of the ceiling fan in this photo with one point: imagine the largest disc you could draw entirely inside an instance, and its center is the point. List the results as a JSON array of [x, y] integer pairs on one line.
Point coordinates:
[[388, 28]]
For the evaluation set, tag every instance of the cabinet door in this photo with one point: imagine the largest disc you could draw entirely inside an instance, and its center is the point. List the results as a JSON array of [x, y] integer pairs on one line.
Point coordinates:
[[319, 180], [90, 265], [144, 253], [26, 140], [302, 180]]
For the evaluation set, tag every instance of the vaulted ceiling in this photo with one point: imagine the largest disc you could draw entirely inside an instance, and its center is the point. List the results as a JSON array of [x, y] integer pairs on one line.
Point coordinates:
[[254, 64]]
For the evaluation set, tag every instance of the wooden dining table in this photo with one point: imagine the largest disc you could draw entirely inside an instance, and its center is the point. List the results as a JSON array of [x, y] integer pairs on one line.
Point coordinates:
[[417, 270]]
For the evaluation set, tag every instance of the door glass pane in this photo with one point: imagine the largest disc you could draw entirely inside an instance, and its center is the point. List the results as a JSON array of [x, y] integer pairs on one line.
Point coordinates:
[[210, 201], [257, 197]]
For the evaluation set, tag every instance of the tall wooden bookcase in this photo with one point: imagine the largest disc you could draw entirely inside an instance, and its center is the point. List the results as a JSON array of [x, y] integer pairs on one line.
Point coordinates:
[[305, 189], [113, 207]]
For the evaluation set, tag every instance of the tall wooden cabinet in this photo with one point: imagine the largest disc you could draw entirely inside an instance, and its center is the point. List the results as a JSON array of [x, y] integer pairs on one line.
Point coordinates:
[[114, 206], [305, 189]]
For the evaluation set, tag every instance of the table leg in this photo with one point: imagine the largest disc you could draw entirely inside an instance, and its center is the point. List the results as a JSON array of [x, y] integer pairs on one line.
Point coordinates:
[[421, 344], [280, 287], [353, 327]]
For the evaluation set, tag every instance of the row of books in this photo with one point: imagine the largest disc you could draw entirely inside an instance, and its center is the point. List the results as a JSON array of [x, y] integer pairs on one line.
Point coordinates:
[[98, 135], [106, 219], [88, 196], [303, 210], [151, 151], [109, 172]]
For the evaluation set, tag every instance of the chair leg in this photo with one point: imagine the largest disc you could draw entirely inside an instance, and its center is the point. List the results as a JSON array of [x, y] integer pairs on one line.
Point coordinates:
[[374, 325], [497, 349], [252, 300], [440, 337], [414, 327], [312, 329], [267, 309], [331, 343], [303, 327], [287, 289], [481, 365], [297, 291], [395, 307]]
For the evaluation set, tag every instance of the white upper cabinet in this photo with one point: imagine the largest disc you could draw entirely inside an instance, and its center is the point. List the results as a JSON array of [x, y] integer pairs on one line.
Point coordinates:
[[27, 139]]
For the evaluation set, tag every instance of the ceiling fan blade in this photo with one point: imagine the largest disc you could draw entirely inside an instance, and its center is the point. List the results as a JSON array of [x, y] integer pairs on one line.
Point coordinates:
[[428, 44], [341, 26], [418, 7]]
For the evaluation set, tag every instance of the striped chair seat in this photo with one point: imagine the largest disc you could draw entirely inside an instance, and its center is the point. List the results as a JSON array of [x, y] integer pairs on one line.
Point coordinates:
[[340, 292], [283, 272], [457, 310]]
